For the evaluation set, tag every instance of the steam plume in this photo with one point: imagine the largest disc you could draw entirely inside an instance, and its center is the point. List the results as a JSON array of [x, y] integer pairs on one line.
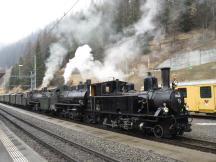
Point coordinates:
[[54, 62], [97, 29], [79, 27], [88, 67], [117, 56]]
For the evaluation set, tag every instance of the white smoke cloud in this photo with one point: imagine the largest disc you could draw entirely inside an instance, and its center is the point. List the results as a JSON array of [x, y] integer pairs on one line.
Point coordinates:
[[149, 11], [127, 49], [58, 52], [118, 55], [6, 78], [93, 26], [80, 27], [88, 25], [88, 67]]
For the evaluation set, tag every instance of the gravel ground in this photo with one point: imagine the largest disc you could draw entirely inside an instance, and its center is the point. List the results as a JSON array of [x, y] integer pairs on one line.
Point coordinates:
[[113, 149], [40, 149], [203, 132], [56, 143]]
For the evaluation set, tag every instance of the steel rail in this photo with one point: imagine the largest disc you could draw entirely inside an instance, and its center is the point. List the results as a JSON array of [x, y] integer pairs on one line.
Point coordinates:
[[208, 116], [74, 144], [195, 144], [61, 153]]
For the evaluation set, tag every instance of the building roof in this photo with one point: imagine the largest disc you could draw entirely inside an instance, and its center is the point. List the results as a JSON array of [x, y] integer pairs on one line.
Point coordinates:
[[197, 82]]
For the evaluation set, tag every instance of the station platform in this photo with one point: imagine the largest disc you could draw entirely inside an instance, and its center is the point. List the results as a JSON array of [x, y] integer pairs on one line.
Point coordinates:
[[13, 149], [4, 154]]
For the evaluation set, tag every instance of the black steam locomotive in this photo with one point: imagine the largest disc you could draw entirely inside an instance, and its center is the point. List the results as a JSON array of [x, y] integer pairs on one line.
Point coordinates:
[[115, 104]]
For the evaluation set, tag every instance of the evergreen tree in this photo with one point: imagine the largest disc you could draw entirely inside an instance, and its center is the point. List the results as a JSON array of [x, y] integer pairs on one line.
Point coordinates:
[[186, 21], [164, 16], [14, 80], [40, 64], [128, 13]]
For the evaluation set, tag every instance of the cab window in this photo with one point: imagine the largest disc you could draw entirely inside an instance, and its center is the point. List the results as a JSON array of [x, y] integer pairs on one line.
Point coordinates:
[[183, 92], [205, 92], [107, 89]]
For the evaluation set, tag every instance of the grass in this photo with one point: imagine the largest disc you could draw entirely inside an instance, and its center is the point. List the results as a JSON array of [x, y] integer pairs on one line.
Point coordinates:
[[201, 72]]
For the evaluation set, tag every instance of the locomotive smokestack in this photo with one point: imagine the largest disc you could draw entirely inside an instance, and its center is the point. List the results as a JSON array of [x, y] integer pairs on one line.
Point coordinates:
[[165, 76]]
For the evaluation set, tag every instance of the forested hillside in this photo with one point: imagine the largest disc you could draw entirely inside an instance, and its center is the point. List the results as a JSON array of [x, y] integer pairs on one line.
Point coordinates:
[[126, 28]]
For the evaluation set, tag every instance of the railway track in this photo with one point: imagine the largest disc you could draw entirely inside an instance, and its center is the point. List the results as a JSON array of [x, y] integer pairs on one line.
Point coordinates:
[[195, 144], [181, 141], [91, 154], [203, 116], [201, 145]]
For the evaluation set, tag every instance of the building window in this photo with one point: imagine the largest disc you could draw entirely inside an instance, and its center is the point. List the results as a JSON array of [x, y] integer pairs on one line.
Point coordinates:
[[107, 89], [205, 92], [183, 92]]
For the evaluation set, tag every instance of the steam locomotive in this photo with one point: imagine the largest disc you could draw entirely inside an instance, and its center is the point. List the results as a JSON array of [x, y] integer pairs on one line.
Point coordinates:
[[114, 104]]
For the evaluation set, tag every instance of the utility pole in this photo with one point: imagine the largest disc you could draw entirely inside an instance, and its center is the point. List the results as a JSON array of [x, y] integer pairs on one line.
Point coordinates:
[[148, 62], [31, 77], [126, 68], [35, 72], [19, 71]]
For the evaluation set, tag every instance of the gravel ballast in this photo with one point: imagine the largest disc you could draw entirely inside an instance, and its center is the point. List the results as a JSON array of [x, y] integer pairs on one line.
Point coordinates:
[[37, 147], [203, 130]]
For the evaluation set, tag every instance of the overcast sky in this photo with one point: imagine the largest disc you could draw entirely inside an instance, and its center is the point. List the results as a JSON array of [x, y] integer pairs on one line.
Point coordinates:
[[19, 18]]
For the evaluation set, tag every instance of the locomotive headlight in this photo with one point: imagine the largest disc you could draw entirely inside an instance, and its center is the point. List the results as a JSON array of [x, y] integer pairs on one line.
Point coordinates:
[[186, 107], [165, 108]]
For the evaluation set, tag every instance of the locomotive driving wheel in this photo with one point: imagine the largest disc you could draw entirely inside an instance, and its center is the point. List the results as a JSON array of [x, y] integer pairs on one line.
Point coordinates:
[[158, 131]]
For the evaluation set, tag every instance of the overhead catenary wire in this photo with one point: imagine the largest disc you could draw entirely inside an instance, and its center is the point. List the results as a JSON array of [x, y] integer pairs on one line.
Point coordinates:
[[65, 14]]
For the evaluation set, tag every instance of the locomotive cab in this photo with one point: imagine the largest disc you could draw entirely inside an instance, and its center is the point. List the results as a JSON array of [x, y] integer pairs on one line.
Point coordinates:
[[109, 88]]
